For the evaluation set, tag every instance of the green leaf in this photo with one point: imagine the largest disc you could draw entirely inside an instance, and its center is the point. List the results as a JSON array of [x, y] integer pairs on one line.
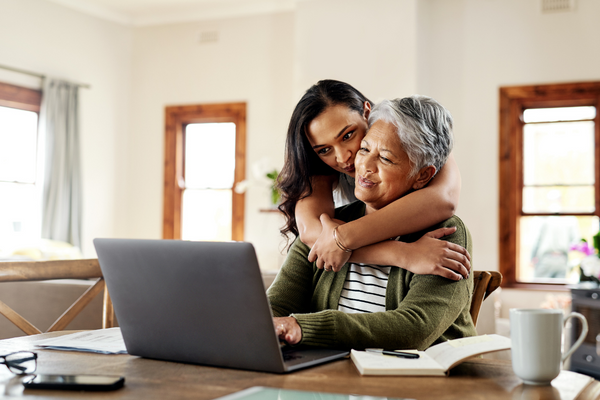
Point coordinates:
[[273, 175]]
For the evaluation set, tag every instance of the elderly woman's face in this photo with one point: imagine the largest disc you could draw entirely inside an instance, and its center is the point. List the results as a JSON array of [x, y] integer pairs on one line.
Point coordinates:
[[382, 167]]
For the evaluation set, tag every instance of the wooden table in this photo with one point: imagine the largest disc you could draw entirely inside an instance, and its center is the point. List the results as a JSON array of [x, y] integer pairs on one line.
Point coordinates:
[[151, 379]]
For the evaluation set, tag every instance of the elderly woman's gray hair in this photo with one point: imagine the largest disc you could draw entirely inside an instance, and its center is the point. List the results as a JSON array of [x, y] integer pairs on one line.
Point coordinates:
[[424, 127]]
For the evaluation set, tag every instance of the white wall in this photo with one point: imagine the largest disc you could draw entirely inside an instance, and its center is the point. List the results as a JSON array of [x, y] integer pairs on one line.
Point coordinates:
[[371, 45], [46, 38], [474, 47], [251, 62]]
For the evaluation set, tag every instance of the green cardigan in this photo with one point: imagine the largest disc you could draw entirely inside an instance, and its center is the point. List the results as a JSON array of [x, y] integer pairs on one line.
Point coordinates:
[[421, 310]]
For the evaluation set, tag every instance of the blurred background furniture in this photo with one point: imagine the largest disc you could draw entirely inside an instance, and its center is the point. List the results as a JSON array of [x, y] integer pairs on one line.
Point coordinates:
[[484, 283], [36, 297], [586, 301]]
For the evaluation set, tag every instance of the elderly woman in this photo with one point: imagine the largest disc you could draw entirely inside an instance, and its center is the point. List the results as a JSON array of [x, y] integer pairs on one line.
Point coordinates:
[[363, 306]]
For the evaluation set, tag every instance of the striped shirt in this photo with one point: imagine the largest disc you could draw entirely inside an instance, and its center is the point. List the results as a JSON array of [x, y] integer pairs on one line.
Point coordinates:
[[364, 289]]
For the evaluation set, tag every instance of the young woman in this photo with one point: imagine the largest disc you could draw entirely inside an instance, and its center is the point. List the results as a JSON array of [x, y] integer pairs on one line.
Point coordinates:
[[323, 137]]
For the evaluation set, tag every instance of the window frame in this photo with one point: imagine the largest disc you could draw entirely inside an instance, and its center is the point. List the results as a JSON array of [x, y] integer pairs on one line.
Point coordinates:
[[20, 97], [513, 101], [176, 119]]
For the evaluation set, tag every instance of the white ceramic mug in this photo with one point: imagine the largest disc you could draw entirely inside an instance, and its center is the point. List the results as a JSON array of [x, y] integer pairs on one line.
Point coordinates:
[[536, 336]]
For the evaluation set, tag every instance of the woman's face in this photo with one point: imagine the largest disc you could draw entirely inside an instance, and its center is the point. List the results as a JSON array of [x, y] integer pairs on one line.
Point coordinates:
[[335, 136], [382, 167]]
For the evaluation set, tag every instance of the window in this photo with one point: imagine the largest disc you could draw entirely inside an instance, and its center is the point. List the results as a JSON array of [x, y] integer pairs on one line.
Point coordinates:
[[549, 180], [204, 159], [20, 189]]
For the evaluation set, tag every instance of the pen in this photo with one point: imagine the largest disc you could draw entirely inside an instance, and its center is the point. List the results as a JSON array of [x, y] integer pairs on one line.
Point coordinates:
[[401, 354]]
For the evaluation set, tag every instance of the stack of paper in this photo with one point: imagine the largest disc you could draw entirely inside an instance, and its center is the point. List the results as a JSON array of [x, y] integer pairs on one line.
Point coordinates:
[[104, 341]]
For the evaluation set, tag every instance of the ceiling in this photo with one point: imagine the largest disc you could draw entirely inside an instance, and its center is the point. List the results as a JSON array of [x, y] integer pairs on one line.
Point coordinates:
[[156, 12]]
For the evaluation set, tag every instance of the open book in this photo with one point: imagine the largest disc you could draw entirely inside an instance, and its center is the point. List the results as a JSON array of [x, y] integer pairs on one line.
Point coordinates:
[[436, 360]]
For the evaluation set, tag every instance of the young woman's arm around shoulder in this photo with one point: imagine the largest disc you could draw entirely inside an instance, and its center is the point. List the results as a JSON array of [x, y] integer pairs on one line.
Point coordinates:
[[310, 208], [411, 213]]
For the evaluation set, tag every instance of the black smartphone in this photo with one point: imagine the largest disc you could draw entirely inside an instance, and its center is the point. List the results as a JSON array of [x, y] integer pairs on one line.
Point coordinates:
[[74, 382]]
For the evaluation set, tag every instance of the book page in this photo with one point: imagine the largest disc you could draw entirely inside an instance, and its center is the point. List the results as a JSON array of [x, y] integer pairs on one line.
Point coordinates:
[[452, 352], [379, 364]]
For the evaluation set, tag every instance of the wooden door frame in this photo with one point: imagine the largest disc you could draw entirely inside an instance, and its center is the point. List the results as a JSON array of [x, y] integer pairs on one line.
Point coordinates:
[[176, 118]]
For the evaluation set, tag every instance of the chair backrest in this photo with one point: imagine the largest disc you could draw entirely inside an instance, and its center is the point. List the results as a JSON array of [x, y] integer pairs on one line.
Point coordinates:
[[22, 271], [484, 283]]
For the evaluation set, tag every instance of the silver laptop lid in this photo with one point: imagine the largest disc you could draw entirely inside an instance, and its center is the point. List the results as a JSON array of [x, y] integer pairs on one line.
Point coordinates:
[[196, 302]]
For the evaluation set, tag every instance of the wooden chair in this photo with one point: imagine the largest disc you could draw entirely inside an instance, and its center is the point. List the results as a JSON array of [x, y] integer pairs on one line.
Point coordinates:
[[484, 283], [22, 271]]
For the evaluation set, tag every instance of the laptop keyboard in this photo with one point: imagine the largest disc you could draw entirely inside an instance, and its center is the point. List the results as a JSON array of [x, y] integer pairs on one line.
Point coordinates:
[[291, 356]]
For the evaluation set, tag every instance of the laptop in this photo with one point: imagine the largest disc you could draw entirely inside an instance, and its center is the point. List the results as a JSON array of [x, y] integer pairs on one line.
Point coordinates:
[[197, 302]]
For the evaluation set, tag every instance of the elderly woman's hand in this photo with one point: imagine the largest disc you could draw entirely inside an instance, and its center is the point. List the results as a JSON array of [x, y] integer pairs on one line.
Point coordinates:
[[431, 256], [287, 329], [325, 251]]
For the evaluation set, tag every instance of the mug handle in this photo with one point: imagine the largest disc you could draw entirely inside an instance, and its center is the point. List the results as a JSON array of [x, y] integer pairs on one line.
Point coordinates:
[[584, 331]]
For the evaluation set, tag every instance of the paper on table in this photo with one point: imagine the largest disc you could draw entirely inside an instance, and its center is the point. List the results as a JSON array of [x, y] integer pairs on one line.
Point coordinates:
[[104, 341], [570, 384], [567, 386]]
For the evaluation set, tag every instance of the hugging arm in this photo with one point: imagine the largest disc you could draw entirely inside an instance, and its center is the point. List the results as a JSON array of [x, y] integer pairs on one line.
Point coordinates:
[[411, 213], [416, 211], [428, 255], [309, 209]]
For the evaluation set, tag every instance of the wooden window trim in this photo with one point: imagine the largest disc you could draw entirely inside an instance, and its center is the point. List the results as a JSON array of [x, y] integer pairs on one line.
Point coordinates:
[[176, 118], [513, 100], [20, 97]]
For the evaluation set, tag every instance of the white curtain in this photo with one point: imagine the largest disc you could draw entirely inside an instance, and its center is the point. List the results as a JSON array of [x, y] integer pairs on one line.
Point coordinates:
[[62, 200]]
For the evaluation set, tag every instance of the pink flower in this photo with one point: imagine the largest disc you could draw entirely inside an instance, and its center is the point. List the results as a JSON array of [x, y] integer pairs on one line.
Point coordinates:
[[583, 247]]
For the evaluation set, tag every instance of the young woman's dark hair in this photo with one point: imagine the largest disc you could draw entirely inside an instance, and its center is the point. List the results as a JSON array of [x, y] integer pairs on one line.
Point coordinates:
[[301, 162]]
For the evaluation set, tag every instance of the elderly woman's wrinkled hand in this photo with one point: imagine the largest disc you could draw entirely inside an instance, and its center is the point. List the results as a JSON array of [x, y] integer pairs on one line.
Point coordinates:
[[325, 252], [432, 256], [287, 329]]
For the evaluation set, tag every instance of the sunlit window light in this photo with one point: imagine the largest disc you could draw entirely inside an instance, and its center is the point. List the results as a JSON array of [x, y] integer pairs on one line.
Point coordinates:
[[559, 114], [210, 155], [18, 140], [20, 196], [209, 170]]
